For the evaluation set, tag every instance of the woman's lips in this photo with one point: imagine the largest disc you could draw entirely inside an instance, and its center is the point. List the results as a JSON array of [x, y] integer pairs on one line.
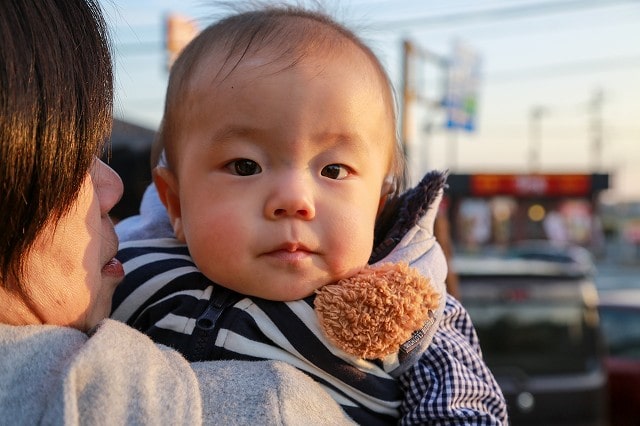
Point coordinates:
[[113, 268]]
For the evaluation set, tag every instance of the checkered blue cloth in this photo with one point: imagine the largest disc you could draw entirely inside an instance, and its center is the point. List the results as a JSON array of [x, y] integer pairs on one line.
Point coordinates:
[[451, 384]]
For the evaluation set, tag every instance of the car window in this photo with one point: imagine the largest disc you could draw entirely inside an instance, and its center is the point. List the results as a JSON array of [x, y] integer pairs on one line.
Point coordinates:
[[536, 337], [621, 329]]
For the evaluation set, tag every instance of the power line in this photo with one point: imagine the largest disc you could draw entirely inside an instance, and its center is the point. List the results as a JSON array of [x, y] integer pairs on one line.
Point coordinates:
[[497, 14], [431, 21], [589, 66]]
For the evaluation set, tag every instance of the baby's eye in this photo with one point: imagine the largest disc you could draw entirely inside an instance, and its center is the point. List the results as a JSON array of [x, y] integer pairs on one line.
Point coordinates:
[[244, 167], [335, 171]]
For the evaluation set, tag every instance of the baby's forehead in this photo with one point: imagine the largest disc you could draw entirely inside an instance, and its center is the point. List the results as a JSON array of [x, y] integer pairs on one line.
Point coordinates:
[[223, 60], [285, 35], [223, 55], [284, 38]]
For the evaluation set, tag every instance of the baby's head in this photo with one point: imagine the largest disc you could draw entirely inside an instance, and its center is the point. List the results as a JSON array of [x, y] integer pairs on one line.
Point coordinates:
[[281, 148]]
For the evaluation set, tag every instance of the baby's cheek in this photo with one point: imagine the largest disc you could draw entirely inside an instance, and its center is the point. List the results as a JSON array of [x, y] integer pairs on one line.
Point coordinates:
[[214, 240], [351, 248], [215, 261]]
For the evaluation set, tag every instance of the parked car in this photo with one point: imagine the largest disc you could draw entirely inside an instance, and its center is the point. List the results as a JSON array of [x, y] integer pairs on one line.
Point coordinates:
[[620, 322], [538, 327], [571, 255]]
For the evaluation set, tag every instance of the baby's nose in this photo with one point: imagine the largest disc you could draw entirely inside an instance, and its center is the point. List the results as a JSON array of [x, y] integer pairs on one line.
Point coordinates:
[[291, 198]]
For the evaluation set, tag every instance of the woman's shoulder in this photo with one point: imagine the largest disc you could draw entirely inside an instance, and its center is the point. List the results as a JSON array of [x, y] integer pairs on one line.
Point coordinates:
[[22, 346], [29, 361], [122, 372], [116, 343], [114, 374]]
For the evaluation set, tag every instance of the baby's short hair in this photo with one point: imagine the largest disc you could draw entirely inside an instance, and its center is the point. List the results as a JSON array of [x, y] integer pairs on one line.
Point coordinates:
[[289, 31]]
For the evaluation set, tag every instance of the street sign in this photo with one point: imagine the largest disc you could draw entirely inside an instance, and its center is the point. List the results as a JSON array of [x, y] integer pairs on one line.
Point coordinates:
[[461, 97]]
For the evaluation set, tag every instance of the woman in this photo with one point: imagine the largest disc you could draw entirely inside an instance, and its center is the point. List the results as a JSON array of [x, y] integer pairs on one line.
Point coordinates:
[[60, 360]]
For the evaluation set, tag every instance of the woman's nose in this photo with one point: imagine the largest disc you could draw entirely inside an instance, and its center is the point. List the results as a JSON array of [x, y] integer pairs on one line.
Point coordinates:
[[292, 197], [108, 185]]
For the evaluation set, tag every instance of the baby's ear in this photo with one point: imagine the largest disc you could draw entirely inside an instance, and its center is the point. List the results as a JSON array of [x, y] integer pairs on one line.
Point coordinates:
[[168, 191], [388, 187], [381, 204]]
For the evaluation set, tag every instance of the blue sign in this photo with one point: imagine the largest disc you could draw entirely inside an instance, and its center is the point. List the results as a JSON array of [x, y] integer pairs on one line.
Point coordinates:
[[461, 98]]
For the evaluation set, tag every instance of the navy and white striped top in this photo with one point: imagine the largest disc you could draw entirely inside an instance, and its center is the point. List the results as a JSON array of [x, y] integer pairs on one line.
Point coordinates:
[[166, 297]]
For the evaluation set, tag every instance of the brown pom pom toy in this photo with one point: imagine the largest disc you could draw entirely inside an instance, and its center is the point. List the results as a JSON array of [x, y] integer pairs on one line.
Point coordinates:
[[372, 313]]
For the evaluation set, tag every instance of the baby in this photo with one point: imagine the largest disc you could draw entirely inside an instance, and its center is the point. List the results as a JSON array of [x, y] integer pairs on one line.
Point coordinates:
[[280, 152]]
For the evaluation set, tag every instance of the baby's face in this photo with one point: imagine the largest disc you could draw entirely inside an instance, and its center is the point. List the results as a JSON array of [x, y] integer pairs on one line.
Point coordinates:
[[279, 173]]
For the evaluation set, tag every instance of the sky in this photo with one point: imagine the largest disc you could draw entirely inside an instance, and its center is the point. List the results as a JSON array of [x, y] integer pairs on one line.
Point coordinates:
[[556, 79]]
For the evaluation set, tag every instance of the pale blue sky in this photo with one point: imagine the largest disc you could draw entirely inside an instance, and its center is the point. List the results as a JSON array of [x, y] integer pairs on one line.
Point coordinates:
[[553, 54]]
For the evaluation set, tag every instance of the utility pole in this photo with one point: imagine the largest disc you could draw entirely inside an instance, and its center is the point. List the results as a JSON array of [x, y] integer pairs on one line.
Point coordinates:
[[408, 94], [453, 149], [412, 55], [535, 136], [595, 107]]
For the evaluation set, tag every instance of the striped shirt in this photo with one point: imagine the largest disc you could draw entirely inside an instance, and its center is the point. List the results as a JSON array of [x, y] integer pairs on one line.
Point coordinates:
[[165, 296]]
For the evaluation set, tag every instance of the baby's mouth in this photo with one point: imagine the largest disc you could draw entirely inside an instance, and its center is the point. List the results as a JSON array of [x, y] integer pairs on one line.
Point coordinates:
[[290, 252]]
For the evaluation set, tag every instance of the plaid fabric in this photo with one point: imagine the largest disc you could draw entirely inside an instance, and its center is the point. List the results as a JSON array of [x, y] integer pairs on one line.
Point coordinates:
[[451, 384]]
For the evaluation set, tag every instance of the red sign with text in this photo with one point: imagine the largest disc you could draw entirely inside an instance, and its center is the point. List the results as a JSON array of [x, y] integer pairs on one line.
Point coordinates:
[[548, 185]]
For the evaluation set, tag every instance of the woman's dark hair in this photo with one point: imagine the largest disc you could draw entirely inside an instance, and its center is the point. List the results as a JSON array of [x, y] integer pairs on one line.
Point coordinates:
[[56, 102]]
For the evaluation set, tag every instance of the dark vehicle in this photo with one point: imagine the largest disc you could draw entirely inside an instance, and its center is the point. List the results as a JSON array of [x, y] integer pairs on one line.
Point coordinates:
[[571, 255], [620, 322], [539, 332]]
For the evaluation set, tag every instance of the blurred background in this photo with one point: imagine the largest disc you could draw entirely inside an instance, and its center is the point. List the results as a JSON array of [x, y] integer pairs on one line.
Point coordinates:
[[533, 108]]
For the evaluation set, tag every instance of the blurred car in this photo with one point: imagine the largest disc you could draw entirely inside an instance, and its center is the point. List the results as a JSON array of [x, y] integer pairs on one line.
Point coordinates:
[[571, 255], [620, 322], [538, 327]]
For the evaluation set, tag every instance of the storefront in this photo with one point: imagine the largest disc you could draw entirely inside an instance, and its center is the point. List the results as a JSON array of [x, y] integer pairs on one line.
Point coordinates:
[[500, 209]]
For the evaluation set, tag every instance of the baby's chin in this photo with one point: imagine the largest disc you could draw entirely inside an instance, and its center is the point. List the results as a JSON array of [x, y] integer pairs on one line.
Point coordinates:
[[284, 285], [284, 293], [289, 294], [302, 291]]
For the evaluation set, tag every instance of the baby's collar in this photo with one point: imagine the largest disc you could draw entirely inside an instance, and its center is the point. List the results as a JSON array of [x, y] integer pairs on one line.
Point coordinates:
[[401, 214]]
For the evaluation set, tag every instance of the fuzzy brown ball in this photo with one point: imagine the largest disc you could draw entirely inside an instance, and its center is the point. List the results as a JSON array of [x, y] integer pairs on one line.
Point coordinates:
[[372, 313]]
